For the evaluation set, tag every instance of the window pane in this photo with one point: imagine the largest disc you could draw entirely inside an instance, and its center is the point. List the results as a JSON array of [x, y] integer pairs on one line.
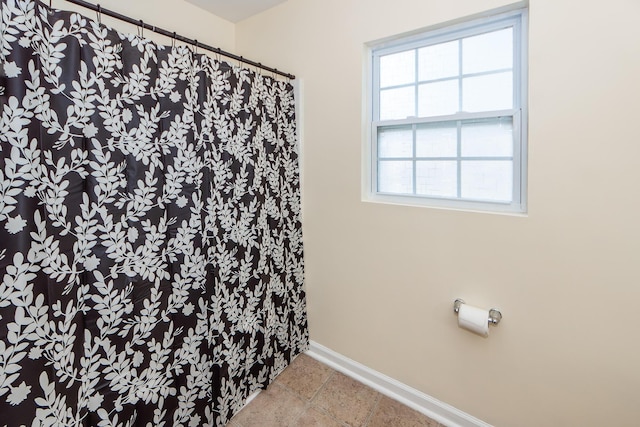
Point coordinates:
[[488, 52], [437, 140], [438, 61], [398, 69], [438, 99], [395, 177], [397, 103], [488, 92], [488, 138], [395, 142], [447, 114], [487, 180], [437, 178]]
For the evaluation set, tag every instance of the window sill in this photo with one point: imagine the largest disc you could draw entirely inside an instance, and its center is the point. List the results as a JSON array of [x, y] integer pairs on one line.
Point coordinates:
[[447, 204]]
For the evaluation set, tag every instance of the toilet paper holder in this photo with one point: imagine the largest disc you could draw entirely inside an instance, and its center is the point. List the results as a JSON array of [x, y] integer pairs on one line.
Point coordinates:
[[494, 315]]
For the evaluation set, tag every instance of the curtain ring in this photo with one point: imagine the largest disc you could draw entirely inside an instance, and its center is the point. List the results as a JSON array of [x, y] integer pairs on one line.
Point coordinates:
[[195, 46], [99, 13], [218, 52]]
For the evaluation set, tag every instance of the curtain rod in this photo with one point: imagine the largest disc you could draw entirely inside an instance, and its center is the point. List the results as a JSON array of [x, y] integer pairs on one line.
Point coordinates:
[[173, 35]]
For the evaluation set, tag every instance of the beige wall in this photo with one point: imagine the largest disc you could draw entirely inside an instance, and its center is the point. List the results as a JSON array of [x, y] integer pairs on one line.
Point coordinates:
[[381, 279], [172, 15]]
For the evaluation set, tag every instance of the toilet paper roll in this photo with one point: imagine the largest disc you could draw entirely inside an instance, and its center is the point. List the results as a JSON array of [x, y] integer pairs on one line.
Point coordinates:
[[474, 319]]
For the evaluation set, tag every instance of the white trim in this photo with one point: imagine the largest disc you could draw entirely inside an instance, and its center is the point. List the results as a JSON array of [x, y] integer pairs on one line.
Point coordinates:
[[443, 203], [250, 398], [415, 399], [523, 42], [462, 116], [367, 166], [298, 93]]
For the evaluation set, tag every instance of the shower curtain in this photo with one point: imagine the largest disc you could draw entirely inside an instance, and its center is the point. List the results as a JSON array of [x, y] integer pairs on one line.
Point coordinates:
[[150, 236]]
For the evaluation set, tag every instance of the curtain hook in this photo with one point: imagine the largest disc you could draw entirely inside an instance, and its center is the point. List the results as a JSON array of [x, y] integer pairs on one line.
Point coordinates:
[[99, 13], [141, 29], [173, 40], [195, 46], [218, 52]]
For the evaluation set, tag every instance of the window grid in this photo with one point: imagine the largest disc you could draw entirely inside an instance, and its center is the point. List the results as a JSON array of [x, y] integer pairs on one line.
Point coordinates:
[[459, 150], [460, 95], [416, 74], [414, 136], [458, 77], [379, 124], [459, 158]]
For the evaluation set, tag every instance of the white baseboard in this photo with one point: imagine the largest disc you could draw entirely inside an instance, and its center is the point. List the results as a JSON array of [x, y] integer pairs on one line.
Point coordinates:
[[415, 399]]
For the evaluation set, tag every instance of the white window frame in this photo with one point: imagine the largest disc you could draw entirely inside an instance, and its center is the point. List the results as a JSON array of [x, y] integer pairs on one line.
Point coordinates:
[[489, 22]]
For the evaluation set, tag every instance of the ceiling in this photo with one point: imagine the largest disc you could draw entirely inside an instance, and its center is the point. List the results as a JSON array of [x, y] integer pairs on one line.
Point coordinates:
[[235, 10]]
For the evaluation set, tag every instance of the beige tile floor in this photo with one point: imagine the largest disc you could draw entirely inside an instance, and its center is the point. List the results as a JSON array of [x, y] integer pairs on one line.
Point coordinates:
[[311, 394]]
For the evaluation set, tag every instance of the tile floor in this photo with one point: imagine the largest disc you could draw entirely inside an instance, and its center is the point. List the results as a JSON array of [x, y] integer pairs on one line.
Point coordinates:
[[311, 394]]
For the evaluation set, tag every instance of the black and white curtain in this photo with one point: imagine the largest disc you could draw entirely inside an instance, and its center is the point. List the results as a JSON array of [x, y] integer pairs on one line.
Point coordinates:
[[150, 239]]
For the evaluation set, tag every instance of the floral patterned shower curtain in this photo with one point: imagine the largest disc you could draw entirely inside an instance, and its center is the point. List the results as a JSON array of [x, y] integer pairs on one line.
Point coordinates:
[[150, 237]]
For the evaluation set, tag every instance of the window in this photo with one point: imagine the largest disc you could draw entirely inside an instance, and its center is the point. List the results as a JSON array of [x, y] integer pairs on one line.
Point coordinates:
[[448, 117]]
